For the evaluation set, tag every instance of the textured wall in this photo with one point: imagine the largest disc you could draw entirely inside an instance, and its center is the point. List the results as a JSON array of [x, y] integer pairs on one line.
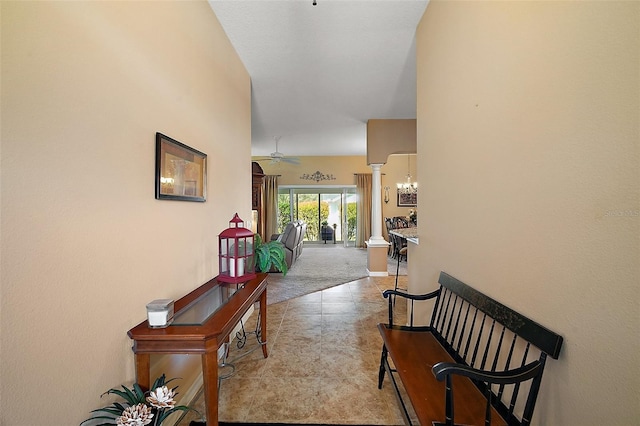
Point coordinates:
[[85, 86], [528, 147]]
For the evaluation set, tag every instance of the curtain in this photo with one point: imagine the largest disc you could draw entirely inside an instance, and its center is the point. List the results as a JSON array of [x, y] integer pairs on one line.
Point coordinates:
[[270, 205], [363, 191]]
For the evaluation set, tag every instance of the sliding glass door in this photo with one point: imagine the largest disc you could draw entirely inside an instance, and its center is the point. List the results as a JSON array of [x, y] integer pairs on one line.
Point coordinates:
[[329, 212]]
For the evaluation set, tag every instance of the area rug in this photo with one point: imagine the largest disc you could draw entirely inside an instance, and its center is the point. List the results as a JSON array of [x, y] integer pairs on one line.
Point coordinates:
[[320, 267]]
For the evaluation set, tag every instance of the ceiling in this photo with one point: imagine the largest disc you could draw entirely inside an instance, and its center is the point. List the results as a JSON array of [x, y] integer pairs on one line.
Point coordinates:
[[320, 72]]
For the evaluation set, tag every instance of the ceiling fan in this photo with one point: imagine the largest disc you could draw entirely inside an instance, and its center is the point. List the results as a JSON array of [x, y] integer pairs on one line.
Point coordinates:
[[277, 156]]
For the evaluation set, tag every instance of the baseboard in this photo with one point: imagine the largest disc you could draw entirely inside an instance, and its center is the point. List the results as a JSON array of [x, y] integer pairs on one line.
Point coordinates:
[[378, 274]]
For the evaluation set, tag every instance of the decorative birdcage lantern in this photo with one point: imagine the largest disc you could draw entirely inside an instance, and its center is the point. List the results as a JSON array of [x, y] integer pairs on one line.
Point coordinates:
[[237, 263]]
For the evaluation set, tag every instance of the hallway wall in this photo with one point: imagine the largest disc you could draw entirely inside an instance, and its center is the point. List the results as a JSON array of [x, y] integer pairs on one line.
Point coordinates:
[[528, 147], [85, 246]]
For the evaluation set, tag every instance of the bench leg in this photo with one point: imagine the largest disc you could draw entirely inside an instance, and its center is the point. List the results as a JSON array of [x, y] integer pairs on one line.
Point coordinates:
[[383, 361]]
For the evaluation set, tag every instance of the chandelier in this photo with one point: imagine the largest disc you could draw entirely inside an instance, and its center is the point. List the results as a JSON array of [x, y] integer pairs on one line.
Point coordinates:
[[408, 187]]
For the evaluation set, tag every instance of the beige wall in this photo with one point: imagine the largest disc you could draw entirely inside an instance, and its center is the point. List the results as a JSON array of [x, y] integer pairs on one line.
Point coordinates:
[[85, 86], [528, 146], [389, 136], [341, 168]]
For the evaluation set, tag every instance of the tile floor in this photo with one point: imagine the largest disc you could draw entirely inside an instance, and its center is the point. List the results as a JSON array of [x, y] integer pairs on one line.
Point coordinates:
[[324, 355]]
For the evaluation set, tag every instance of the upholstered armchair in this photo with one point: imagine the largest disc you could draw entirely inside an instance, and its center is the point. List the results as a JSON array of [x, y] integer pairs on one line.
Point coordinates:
[[292, 238]]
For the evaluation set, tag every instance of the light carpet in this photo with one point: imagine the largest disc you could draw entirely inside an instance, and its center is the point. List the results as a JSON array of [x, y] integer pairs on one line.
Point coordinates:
[[320, 267]]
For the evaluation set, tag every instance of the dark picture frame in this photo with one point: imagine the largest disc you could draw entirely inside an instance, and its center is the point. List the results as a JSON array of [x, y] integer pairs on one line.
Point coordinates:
[[181, 171], [407, 200]]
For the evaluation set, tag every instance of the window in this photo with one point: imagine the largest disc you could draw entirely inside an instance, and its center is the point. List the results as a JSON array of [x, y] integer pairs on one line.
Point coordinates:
[[336, 205]]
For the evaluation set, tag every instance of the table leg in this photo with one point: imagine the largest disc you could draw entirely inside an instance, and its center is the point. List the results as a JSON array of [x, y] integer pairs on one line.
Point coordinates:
[[143, 364], [210, 384], [263, 321]]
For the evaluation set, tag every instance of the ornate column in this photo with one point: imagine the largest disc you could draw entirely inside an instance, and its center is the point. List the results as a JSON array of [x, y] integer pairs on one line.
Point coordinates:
[[377, 246]]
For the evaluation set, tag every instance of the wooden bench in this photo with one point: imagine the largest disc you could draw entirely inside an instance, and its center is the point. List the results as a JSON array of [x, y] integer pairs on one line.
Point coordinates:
[[476, 355]]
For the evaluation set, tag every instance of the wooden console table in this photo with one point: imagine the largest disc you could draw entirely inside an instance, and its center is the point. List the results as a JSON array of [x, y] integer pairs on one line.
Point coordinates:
[[204, 327]]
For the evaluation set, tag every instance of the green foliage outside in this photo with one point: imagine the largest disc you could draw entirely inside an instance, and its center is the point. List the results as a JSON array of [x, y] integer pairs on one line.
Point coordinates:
[[351, 221], [284, 215], [308, 211]]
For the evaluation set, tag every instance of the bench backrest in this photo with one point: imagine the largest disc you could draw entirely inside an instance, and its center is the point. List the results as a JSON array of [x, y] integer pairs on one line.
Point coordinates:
[[446, 316], [482, 333]]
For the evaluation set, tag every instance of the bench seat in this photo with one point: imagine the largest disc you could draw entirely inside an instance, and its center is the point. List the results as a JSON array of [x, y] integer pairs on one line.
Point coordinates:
[[477, 362], [425, 392]]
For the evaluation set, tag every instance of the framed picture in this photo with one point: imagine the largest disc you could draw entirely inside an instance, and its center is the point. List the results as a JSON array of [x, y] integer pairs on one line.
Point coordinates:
[[407, 200], [181, 171]]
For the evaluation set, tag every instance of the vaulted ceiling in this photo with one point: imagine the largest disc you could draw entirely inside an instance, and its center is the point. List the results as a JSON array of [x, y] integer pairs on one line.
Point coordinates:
[[319, 72]]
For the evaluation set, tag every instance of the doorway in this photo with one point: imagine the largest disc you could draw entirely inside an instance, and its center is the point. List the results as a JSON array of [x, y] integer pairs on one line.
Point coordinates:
[[335, 207]]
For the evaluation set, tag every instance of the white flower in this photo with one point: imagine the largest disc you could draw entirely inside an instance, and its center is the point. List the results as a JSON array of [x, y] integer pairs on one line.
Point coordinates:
[[137, 415], [162, 398]]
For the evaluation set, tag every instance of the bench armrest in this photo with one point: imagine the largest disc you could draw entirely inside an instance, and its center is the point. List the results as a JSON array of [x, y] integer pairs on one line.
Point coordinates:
[[413, 297], [406, 295], [443, 369], [446, 370]]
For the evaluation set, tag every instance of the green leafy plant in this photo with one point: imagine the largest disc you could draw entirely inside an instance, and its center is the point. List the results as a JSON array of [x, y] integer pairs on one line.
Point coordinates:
[[269, 255], [139, 408]]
